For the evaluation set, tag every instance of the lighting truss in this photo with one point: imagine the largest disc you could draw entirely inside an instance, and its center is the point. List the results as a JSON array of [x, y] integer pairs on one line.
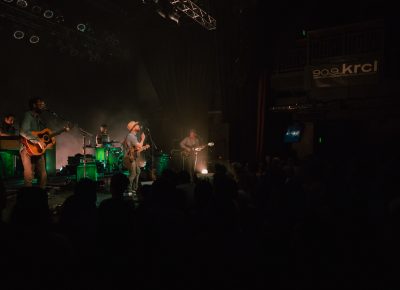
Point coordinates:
[[195, 12], [25, 18]]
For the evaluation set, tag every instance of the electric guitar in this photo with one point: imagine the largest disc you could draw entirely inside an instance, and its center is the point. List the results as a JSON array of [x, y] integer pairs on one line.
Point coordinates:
[[46, 136], [196, 149], [134, 154]]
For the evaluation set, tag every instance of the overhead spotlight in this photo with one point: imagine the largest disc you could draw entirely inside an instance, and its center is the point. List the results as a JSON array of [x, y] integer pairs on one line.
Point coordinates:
[[161, 13], [36, 9], [34, 39], [81, 27], [174, 16], [48, 14], [162, 8], [22, 3], [18, 34]]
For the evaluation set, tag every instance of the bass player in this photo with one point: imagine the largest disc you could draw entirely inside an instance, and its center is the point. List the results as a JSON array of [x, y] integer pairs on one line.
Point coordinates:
[[188, 144]]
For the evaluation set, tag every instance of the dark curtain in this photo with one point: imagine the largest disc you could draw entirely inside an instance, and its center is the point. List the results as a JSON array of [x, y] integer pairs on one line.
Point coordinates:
[[181, 65], [262, 93]]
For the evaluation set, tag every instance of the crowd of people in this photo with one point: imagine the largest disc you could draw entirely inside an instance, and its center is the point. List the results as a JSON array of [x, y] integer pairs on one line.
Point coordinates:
[[282, 224]]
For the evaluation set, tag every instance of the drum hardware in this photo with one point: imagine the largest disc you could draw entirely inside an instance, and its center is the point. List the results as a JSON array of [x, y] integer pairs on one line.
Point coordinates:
[[84, 134], [109, 156]]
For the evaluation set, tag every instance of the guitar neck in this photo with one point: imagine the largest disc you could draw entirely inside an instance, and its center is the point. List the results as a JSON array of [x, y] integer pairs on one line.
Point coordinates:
[[57, 133], [133, 148]]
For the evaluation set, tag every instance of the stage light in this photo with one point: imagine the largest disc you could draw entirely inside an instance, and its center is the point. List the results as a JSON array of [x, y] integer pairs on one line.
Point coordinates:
[[34, 39], [8, 1], [204, 171], [174, 16], [161, 13], [36, 9], [166, 10], [81, 27], [22, 3], [163, 7], [18, 34], [48, 14]]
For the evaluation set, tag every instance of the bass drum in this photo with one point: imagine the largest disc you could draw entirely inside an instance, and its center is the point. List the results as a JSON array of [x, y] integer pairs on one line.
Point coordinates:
[[115, 156], [101, 154]]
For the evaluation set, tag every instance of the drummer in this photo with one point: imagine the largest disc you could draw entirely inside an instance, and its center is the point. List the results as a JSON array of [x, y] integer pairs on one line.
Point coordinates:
[[102, 137]]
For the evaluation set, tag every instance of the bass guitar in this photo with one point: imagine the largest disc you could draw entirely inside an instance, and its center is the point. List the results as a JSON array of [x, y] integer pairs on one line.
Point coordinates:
[[133, 154], [46, 136], [196, 149]]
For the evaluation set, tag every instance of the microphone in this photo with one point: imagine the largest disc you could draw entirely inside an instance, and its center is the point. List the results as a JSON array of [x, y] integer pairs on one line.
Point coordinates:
[[144, 128], [51, 112]]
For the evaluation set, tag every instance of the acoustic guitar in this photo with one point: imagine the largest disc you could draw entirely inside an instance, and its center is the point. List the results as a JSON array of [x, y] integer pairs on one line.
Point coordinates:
[[134, 154], [46, 136]]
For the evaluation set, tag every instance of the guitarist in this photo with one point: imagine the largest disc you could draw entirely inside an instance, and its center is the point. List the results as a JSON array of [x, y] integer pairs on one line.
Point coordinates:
[[132, 148], [32, 122], [188, 144]]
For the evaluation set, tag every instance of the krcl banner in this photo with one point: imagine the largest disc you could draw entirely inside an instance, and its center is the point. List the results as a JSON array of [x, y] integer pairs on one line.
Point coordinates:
[[345, 74]]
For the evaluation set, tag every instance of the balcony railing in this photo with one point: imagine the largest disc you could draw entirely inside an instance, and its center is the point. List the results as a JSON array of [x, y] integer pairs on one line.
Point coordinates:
[[333, 43]]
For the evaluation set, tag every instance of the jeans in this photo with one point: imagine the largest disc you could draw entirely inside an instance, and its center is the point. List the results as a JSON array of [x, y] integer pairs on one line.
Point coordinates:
[[188, 163], [33, 164], [134, 173]]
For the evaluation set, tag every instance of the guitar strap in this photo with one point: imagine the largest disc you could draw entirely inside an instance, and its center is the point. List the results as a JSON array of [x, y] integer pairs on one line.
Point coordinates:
[[39, 122], [127, 148], [125, 144]]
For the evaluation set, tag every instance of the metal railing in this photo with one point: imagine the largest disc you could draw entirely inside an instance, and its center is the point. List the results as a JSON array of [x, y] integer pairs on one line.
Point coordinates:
[[322, 45]]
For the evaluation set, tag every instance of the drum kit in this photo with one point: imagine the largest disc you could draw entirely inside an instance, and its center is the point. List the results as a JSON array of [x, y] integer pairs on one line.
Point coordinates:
[[109, 154]]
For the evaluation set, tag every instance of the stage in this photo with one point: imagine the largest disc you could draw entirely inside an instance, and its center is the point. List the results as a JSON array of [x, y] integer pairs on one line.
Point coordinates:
[[58, 188]]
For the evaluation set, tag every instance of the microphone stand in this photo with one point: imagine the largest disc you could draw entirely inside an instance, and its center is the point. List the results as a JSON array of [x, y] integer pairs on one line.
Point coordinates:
[[153, 146], [56, 116], [84, 134]]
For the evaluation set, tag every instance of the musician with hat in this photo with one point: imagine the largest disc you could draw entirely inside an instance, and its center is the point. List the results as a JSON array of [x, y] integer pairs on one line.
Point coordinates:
[[133, 145]]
